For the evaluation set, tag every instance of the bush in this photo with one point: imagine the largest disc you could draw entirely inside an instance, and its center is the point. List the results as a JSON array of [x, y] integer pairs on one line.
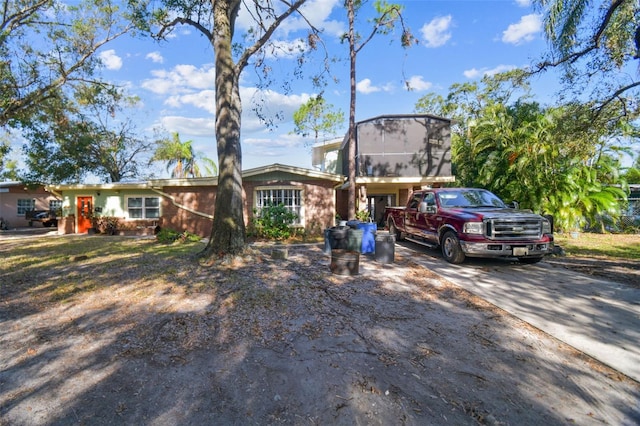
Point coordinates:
[[168, 236], [273, 222]]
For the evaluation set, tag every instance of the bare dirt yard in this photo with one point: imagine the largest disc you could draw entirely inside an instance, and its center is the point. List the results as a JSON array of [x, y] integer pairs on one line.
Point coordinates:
[[109, 330]]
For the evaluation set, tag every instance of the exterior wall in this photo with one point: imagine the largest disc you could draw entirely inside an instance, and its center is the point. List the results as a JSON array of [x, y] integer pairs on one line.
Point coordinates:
[[318, 199], [9, 196], [107, 203], [201, 199], [403, 146]]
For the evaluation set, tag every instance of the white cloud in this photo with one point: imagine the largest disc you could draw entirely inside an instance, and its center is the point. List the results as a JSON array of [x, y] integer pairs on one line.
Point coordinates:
[[317, 12], [110, 60], [189, 125], [417, 83], [436, 33], [475, 73], [204, 99], [523, 3], [181, 79], [364, 86], [155, 57], [523, 31]]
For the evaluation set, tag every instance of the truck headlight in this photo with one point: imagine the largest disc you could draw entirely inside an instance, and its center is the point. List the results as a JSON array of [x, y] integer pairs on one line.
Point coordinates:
[[473, 228], [546, 227]]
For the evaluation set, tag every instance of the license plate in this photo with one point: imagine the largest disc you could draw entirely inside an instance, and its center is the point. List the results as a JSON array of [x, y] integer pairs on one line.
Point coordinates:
[[520, 251]]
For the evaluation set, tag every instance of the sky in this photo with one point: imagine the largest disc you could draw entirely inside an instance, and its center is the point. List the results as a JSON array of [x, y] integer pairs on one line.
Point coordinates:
[[459, 41]]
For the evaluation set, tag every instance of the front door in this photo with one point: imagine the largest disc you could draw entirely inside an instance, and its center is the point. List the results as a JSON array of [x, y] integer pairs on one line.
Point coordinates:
[[85, 211]]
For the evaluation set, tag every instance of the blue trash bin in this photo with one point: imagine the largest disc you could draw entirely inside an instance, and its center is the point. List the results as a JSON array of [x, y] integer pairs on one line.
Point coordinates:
[[369, 236]]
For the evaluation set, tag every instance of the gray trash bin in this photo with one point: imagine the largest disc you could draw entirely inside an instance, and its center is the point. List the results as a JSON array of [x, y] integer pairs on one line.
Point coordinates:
[[385, 247]]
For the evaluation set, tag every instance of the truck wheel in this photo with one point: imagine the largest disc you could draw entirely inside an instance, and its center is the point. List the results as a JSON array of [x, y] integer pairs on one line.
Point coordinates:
[[451, 250], [394, 231], [530, 260]]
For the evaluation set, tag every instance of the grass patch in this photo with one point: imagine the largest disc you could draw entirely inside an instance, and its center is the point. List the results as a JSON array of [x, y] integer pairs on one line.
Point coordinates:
[[612, 246], [59, 268]]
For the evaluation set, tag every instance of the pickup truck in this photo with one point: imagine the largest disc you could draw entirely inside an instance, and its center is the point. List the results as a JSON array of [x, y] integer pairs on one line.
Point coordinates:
[[47, 217], [470, 222]]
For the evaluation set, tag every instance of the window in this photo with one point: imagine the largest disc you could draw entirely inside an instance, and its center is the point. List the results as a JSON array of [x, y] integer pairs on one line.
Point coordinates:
[[143, 207], [291, 198], [55, 205], [25, 205]]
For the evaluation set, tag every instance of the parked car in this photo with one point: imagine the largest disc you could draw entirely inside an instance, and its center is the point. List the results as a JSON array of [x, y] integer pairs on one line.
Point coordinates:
[[46, 217]]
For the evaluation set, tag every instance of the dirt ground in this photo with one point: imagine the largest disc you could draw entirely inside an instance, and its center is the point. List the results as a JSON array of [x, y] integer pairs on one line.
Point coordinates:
[[263, 340]]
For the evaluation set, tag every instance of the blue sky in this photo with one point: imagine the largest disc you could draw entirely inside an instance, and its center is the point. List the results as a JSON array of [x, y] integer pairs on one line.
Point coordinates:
[[459, 41]]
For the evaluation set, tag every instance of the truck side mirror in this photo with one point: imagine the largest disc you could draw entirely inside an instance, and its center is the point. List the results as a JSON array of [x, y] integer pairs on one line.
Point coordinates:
[[513, 205], [426, 208]]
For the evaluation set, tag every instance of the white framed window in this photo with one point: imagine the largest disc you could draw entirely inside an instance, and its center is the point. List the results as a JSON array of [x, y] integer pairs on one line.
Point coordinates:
[[55, 205], [143, 207], [25, 205], [290, 197]]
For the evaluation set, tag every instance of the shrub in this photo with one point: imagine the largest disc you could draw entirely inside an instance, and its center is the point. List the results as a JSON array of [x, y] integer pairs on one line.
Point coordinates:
[[169, 236], [273, 222]]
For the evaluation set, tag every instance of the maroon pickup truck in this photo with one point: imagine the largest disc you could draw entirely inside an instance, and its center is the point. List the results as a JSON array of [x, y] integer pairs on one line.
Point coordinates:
[[470, 222]]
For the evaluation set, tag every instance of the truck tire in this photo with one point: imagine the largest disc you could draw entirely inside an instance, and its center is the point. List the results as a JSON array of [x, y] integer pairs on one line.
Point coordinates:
[[395, 231], [451, 250]]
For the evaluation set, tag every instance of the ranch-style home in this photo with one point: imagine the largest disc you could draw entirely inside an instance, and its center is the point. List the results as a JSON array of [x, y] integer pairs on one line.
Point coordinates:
[[394, 155]]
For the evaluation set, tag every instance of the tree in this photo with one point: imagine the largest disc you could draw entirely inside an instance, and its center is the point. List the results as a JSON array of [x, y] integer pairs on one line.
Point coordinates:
[[215, 20], [555, 160], [387, 15], [84, 136], [593, 42], [182, 160], [317, 118], [46, 45]]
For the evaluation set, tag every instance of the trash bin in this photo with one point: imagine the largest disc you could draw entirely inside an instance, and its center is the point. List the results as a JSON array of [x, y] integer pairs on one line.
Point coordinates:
[[338, 237], [327, 241], [368, 237], [344, 262], [354, 239], [385, 248]]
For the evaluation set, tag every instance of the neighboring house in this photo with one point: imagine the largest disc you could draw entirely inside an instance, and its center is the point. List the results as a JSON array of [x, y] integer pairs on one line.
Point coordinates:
[[16, 199], [188, 204], [395, 154]]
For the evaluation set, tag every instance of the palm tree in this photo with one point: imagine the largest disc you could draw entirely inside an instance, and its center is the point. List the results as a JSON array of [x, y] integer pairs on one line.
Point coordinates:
[[182, 160]]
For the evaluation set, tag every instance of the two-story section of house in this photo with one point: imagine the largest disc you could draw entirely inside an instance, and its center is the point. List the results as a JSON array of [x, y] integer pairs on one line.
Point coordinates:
[[395, 154]]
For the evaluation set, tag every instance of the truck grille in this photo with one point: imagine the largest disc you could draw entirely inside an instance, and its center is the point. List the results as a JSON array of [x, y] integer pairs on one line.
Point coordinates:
[[501, 229]]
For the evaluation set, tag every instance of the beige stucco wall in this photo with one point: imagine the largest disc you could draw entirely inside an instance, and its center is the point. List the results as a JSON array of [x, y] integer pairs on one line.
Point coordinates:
[[9, 196]]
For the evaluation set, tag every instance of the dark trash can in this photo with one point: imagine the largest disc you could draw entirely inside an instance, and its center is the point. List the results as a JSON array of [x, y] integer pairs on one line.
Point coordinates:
[[368, 237], [344, 262], [385, 248], [338, 237], [354, 239], [327, 241]]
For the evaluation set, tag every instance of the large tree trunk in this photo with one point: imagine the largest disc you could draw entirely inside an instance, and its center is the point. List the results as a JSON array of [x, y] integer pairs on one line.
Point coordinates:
[[228, 233], [351, 202]]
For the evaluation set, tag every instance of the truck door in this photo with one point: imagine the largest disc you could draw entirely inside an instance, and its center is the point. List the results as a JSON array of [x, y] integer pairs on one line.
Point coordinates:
[[411, 212], [428, 219], [425, 223]]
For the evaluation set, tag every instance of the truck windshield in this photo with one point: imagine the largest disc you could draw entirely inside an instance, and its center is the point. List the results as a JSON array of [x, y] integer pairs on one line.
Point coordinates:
[[469, 198]]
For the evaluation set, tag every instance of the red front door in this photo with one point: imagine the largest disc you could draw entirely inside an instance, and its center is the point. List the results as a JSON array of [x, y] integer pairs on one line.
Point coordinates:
[[85, 211]]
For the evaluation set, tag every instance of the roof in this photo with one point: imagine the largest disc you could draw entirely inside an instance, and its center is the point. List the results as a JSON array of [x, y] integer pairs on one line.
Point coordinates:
[[402, 117], [202, 181]]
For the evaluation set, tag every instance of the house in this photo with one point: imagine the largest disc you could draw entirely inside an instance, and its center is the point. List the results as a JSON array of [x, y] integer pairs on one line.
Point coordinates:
[[16, 199], [395, 154], [187, 204]]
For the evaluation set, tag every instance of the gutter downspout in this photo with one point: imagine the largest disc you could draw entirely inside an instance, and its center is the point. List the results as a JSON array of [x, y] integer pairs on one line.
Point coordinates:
[[181, 206]]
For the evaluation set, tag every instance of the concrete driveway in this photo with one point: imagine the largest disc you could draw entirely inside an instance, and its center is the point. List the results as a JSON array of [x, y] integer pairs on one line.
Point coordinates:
[[597, 317]]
